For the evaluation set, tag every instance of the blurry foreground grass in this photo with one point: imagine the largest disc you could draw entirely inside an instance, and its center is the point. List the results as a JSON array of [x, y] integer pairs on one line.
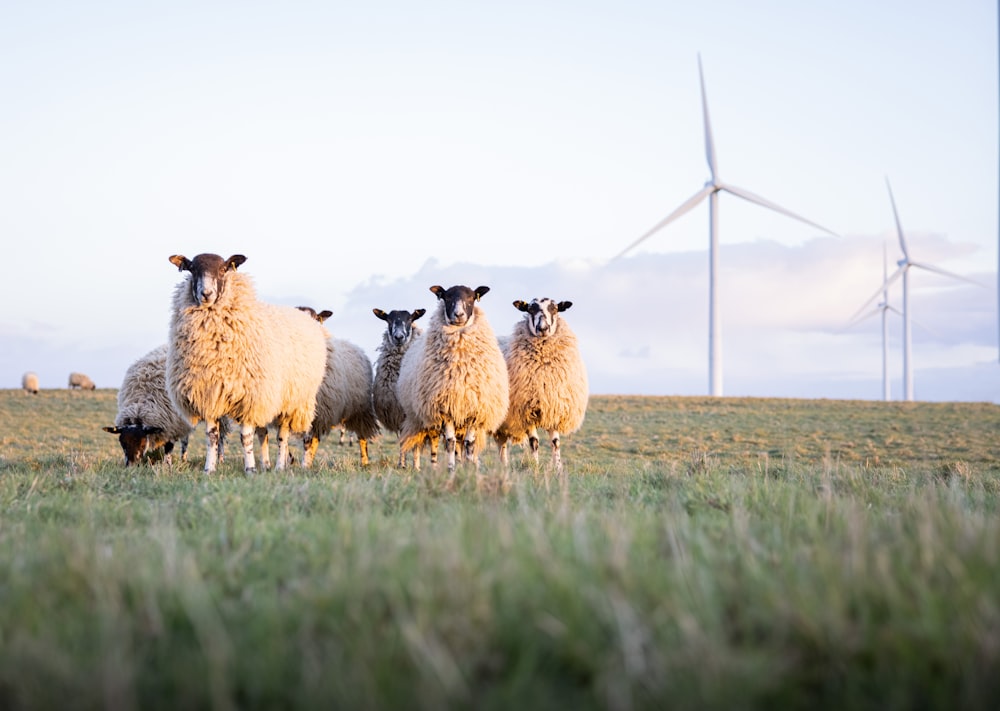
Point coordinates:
[[698, 553]]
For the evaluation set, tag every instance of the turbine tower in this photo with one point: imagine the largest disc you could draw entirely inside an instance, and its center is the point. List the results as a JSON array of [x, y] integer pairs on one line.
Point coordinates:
[[711, 190], [903, 271]]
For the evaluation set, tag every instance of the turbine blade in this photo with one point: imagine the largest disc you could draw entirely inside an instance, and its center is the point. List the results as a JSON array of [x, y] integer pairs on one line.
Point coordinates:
[[881, 290], [944, 272], [686, 207], [752, 197], [860, 317], [899, 227], [709, 142]]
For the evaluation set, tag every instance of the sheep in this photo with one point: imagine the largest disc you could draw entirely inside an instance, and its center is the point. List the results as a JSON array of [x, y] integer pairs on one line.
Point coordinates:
[[232, 355], [29, 383], [399, 332], [147, 423], [79, 380], [548, 380], [453, 378], [345, 396]]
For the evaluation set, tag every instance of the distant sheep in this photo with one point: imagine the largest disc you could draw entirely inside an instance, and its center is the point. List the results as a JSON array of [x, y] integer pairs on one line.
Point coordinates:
[[548, 380], [345, 397], [81, 381], [29, 383], [453, 378], [232, 355], [399, 333], [147, 423]]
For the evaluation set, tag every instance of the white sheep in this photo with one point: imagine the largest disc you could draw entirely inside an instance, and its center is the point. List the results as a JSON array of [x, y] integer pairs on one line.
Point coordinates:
[[232, 355], [79, 380], [29, 383], [399, 333], [548, 380], [453, 378], [147, 423], [345, 396]]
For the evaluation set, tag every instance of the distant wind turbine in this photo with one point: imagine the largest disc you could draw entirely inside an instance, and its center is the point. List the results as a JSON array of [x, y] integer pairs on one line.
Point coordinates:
[[903, 271], [711, 190], [883, 307]]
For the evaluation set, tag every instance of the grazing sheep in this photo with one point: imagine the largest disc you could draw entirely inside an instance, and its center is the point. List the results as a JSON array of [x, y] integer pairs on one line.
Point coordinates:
[[147, 423], [548, 380], [399, 332], [29, 383], [345, 397], [79, 380], [232, 355], [453, 378]]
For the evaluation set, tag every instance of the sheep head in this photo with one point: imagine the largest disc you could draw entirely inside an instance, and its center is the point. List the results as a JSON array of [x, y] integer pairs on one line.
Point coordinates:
[[208, 275], [459, 303], [139, 441], [399, 323], [542, 315]]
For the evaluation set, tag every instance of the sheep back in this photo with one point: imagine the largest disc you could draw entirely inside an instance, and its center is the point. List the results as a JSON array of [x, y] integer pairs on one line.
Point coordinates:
[[346, 392]]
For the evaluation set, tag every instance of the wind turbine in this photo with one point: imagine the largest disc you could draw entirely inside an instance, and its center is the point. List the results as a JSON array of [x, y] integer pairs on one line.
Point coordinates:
[[903, 271], [711, 190], [883, 307]]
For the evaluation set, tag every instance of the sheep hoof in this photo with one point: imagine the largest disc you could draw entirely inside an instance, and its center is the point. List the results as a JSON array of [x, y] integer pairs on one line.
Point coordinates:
[[250, 472]]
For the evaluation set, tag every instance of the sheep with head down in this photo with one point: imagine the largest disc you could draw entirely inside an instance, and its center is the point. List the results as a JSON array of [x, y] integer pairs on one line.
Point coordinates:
[[230, 354], [147, 424], [453, 378], [29, 383], [548, 379], [345, 396]]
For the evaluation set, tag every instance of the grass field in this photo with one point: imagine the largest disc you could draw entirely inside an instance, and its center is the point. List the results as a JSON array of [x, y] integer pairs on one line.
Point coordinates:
[[698, 553]]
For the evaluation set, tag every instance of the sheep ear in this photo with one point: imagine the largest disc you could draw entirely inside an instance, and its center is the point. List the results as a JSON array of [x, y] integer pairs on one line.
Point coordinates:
[[481, 291], [521, 305], [381, 314], [235, 261], [564, 305], [324, 315], [417, 314], [438, 291], [182, 263], [112, 430]]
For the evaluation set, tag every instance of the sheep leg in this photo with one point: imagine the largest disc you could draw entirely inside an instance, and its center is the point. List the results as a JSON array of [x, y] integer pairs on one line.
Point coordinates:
[[211, 447], [504, 456], [246, 440], [282, 447], [184, 449], [533, 442], [310, 443], [265, 451], [470, 447], [432, 443], [449, 444], [556, 456], [363, 446]]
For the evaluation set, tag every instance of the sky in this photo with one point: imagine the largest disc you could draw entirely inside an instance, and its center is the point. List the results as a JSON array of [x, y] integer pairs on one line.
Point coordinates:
[[358, 153]]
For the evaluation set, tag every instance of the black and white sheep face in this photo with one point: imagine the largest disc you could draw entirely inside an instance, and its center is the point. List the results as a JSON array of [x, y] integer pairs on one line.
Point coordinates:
[[459, 303], [399, 324], [542, 315], [208, 275], [139, 441]]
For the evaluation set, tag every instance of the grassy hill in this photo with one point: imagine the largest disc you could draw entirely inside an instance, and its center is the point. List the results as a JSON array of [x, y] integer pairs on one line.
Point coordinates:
[[697, 553]]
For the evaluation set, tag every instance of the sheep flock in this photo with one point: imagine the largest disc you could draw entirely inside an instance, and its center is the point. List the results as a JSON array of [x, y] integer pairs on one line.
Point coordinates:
[[231, 357]]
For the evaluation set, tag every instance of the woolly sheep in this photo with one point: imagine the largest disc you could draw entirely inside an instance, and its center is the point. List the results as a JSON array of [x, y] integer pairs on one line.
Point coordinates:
[[79, 380], [548, 380], [399, 333], [147, 423], [453, 378], [345, 396], [232, 355], [29, 383]]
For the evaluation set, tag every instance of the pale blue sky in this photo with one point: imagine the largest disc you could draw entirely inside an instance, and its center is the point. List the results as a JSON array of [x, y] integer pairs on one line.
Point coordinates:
[[336, 143]]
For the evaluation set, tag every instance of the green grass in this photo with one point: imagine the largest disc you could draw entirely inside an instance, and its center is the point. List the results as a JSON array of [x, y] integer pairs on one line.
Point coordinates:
[[698, 553]]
